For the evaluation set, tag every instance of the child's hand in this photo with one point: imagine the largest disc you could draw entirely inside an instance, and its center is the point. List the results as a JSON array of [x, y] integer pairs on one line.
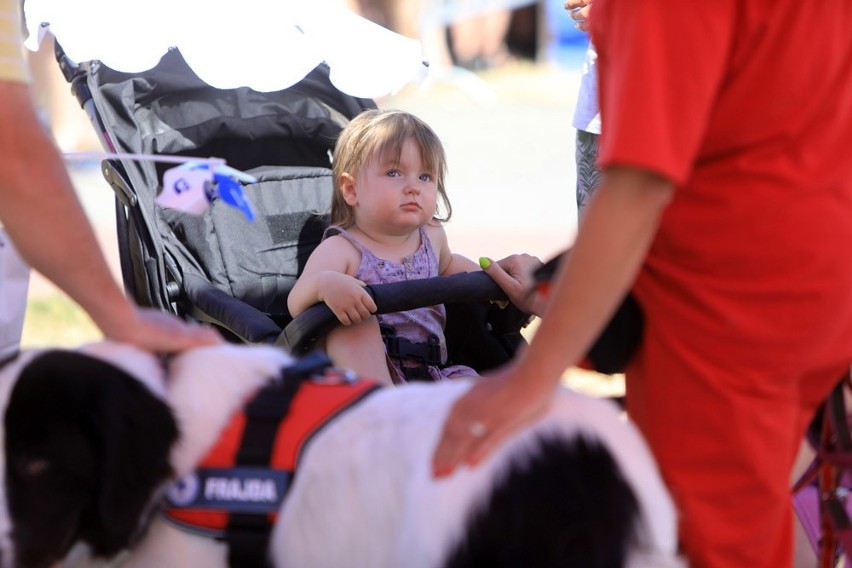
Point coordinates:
[[346, 297]]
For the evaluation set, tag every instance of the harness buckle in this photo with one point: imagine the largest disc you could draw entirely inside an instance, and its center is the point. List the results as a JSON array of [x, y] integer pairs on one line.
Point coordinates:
[[423, 354]]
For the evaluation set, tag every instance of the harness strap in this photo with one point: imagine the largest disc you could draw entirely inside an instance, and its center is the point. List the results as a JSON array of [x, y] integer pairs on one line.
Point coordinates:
[[236, 492], [248, 534], [423, 354]]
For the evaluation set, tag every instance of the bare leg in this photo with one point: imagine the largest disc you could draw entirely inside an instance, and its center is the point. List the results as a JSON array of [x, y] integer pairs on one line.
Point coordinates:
[[495, 27], [480, 40], [466, 36], [405, 17], [360, 347]]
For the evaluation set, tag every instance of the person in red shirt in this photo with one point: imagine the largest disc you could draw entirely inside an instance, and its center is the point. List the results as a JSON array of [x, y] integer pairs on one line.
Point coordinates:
[[726, 207]]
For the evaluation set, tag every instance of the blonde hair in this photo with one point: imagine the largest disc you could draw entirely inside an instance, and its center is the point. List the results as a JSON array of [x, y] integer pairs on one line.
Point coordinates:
[[382, 133]]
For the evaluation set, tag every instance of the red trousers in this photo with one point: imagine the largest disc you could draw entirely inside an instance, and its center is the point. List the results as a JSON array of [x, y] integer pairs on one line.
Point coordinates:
[[726, 434]]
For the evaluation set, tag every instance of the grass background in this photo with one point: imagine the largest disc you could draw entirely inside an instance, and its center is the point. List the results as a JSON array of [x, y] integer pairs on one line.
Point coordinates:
[[53, 320]]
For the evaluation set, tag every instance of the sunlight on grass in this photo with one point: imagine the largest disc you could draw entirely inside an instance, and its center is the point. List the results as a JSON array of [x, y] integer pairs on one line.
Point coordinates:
[[55, 321]]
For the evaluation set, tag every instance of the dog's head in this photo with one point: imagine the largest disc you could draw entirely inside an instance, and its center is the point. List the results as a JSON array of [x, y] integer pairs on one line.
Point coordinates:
[[85, 446]]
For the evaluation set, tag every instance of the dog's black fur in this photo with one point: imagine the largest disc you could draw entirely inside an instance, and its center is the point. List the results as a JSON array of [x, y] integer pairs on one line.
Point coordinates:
[[568, 507], [64, 474]]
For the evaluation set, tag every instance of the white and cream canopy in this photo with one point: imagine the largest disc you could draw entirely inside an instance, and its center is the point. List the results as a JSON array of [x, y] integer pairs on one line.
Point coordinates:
[[267, 45]]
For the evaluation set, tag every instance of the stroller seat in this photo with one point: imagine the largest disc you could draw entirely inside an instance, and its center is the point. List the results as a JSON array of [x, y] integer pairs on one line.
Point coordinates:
[[256, 263]]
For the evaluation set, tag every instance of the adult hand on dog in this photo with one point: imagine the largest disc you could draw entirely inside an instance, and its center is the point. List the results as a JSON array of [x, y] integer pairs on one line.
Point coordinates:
[[496, 406], [157, 331]]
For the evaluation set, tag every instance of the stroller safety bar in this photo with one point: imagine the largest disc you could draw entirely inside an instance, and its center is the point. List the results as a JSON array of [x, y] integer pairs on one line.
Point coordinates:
[[212, 305], [464, 287]]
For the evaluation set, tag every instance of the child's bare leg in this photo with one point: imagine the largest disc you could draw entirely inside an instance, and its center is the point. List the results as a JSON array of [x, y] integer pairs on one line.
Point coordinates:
[[360, 347]]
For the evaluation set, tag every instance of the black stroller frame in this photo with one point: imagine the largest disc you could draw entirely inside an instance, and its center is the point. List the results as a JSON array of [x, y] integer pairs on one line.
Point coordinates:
[[821, 494], [219, 268]]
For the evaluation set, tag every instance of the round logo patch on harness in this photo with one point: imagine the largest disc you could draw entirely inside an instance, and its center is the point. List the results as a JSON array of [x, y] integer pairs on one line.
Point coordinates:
[[239, 489], [184, 491]]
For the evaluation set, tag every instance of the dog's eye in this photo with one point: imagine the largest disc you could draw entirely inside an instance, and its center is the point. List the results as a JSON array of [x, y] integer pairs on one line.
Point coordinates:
[[32, 467]]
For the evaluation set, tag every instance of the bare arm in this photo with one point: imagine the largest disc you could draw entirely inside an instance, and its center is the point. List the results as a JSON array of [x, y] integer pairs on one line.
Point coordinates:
[[459, 263], [448, 262], [611, 245], [44, 218], [327, 278], [513, 274], [602, 266]]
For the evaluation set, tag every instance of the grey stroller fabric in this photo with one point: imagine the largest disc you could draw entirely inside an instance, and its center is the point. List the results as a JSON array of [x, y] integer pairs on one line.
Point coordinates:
[[258, 262], [171, 260]]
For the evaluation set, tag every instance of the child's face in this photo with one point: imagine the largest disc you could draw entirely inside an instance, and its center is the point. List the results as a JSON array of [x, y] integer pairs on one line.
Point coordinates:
[[394, 198]]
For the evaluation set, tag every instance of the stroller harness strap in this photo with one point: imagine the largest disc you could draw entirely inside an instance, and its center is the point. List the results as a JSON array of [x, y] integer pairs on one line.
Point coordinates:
[[237, 490], [422, 355]]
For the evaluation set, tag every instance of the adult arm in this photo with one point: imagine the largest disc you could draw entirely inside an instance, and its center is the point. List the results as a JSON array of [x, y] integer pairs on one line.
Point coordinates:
[[611, 245], [49, 227]]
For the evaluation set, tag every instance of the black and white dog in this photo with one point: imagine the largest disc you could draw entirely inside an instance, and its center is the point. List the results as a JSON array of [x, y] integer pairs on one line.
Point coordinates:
[[91, 438]]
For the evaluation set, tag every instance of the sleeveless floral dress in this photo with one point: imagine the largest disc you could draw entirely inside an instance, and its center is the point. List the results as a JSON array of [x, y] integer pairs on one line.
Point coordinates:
[[419, 325]]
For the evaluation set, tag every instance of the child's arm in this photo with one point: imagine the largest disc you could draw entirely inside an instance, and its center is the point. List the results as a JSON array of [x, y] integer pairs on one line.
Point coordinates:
[[448, 262], [513, 274], [327, 278]]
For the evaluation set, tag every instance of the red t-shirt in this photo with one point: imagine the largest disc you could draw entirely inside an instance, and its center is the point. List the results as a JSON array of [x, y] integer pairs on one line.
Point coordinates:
[[747, 106]]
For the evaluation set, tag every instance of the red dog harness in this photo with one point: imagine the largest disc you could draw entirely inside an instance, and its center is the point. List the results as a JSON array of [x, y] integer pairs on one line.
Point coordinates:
[[237, 490]]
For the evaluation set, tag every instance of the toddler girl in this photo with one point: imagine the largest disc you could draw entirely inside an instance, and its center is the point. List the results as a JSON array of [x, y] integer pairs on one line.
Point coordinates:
[[388, 172]]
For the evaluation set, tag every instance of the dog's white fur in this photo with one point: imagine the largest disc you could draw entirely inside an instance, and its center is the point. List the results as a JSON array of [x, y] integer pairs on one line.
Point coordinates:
[[365, 479], [406, 424]]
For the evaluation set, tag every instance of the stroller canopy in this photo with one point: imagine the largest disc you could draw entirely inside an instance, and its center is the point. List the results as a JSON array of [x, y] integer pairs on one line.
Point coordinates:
[[267, 46]]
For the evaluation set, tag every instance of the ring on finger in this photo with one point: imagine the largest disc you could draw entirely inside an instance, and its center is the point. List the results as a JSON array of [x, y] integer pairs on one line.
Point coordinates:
[[477, 429]]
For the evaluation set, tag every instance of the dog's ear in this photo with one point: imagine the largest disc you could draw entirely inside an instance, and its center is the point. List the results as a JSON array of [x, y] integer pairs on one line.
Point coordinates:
[[137, 431], [101, 442], [86, 446]]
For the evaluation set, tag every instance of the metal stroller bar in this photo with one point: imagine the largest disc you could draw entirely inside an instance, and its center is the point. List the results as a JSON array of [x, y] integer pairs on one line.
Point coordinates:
[[832, 463]]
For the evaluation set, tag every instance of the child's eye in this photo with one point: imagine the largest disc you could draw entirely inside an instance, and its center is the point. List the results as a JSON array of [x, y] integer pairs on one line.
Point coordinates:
[[393, 173], [425, 177]]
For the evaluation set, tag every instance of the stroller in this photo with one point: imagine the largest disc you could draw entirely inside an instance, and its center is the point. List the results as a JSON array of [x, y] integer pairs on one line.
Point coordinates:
[[220, 268]]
